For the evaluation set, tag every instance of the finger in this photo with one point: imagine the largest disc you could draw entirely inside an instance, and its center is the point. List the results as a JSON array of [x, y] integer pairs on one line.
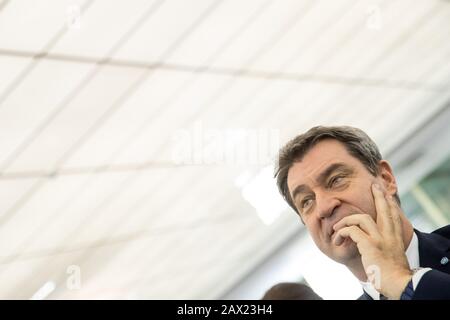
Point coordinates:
[[356, 234], [396, 217], [384, 221], [363, 221]]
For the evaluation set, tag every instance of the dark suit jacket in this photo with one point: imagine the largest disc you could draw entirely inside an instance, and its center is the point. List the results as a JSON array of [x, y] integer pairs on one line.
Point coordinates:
[[435, 284]]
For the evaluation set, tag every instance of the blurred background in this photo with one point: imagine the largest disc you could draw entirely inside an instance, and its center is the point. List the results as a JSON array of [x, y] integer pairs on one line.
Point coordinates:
[[137, 138]]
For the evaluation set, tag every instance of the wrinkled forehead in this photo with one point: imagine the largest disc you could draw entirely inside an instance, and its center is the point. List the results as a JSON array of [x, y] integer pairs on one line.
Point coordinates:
[[316, 160], [306, 173]]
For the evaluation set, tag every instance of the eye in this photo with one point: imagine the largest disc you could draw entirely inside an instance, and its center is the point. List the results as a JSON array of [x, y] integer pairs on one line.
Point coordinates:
[[335, 181], [305, 204]]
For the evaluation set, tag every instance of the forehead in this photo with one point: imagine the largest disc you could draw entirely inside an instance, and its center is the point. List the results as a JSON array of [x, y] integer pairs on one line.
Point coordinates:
[[316, 160]]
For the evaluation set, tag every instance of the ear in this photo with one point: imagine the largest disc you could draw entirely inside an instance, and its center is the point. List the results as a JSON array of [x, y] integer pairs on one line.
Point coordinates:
[[387, 177]]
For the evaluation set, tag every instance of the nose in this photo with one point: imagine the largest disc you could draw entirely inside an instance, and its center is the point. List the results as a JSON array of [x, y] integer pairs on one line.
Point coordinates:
[[325, 205]]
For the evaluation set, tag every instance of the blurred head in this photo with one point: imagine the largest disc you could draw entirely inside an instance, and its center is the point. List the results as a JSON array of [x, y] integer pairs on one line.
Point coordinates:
[[290, 291], [325, 175]]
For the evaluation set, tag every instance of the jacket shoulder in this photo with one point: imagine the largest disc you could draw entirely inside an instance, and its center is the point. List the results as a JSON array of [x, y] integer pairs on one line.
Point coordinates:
[[444, 231]]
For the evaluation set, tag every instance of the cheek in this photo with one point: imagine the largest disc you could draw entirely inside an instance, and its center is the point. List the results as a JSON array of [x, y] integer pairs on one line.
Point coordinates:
[[365, 203], [315, 233]]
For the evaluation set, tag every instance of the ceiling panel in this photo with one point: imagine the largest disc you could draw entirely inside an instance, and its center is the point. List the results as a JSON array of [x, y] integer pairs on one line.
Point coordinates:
[[115, 118], [419, 51], [19, 272], [218, 32], [34, 101], [64, 231], [175, 19], [32, 274], [74, 118], [182, 110], [139, 112], [155, 267], [46, 19], [11, 68], [107, 284], [11, 190], [121, 215], [439, 77], [41, 210], [349, 55], [103, 27], [311, 25], [262, 34], [426, 106]]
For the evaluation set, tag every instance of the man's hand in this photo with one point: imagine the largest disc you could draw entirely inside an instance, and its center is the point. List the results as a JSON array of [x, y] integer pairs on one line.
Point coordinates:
[[380, 244]]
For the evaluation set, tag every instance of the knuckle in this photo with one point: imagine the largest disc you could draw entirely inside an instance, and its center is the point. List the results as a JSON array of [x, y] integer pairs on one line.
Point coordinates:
[[397, 218]]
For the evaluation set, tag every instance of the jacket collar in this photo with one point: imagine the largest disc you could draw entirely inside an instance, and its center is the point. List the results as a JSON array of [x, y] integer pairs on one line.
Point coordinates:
[[433, 247]]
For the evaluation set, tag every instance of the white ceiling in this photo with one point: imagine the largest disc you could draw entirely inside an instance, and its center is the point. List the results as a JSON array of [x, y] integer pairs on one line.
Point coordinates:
[[90, 106]]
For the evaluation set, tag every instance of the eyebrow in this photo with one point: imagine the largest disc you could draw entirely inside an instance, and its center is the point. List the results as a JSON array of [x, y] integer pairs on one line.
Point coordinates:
[[321, 179]]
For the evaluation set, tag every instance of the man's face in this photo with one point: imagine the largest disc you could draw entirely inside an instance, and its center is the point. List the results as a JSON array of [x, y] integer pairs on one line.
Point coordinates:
[[326, 186]]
